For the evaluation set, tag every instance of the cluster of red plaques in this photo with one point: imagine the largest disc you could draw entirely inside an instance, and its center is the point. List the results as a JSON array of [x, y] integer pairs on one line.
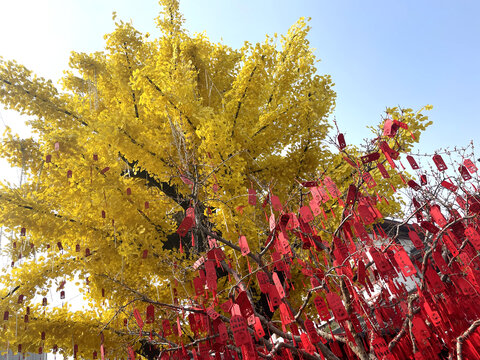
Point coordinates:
[[444, 287]]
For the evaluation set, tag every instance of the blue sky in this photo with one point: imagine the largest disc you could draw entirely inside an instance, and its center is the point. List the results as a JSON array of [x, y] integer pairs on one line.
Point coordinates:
[[379, 53]]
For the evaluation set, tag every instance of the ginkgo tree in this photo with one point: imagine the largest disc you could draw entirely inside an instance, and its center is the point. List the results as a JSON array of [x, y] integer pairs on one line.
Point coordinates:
[[204, 205]]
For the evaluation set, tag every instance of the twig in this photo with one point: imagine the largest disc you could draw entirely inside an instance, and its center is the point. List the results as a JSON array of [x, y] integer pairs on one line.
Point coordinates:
[[118, 312], [406, 322], [461, 339]]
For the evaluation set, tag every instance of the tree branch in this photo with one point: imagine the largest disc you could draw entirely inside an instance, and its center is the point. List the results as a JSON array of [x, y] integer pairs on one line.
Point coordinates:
[[461, 339]]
